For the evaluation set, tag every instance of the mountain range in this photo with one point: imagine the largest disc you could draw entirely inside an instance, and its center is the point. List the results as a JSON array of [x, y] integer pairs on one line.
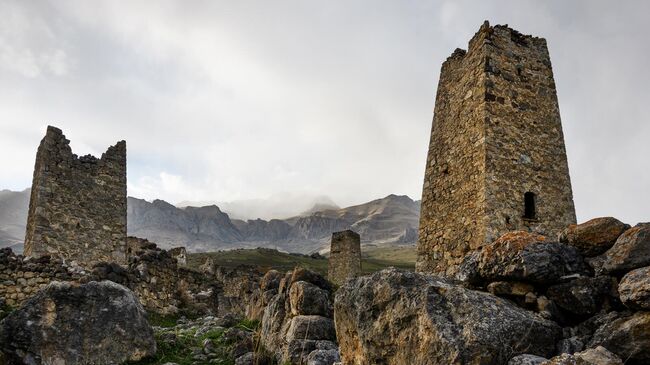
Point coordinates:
[[386, 221]]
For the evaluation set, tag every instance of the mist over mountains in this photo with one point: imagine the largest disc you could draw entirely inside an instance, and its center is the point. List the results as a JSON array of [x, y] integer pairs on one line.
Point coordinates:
[[386, 221]]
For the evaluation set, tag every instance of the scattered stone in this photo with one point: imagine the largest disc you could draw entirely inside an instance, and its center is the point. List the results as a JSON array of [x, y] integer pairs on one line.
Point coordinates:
[[526, 359], [631, 251], [271, 280], [595, 236], [634, 289], [583, 296], [595, 356], [70, 324], [401, 317], [628, 336]]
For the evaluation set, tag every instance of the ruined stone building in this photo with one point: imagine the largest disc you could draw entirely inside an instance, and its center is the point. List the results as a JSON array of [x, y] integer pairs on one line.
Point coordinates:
[[496, 159], [77, 209], [345, 256]]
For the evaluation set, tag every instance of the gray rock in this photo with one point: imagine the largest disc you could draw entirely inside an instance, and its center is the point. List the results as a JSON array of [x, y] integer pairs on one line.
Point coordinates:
[[595, 356], [626, 335], [634, 289], [308, 299], [323, 357], [570, 345], [94, 323], [401, 317], [311, 328], [246, 359], [595, 236], [583, 296], [631, 251], [526, 359], [523, 256]]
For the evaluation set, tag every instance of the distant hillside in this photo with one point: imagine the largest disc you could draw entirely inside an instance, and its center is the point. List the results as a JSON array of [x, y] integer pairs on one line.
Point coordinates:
[[387, 221]]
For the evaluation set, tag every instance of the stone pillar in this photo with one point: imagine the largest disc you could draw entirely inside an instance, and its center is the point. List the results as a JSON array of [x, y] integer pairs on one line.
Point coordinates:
[[345, 256]]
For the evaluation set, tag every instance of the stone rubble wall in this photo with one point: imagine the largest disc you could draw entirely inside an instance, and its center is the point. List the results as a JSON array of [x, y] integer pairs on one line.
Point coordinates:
[[77, 208], [152, 274]]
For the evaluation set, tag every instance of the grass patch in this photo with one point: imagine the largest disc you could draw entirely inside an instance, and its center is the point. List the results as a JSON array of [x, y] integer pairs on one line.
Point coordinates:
[[374, 259]]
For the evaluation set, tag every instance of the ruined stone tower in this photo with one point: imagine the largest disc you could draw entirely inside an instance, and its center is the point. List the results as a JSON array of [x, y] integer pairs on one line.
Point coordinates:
[[496, 159], [345, 256], [77, 208]]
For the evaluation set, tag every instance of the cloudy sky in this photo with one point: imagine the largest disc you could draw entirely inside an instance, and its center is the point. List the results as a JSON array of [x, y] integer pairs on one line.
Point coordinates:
[[230, 100]]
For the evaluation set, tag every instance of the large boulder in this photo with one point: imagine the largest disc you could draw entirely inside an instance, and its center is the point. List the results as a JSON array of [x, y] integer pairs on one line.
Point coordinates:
[[298, 318], [94, 323], [401, 317], [634, 289], [522, 256], [594, 236], [626, 335], [583, 296], [307, 298], [631, 251], [595, 356]]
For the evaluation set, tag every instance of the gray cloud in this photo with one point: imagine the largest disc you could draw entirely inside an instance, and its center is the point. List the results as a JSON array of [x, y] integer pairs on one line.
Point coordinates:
[[247, 99]]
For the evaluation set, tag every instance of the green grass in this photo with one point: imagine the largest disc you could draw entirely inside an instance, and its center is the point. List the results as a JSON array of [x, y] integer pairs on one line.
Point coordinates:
[[374, 259], [180, 351]]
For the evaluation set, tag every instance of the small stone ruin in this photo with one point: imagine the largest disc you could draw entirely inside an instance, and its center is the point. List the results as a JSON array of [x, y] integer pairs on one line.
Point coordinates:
[[345, 256]]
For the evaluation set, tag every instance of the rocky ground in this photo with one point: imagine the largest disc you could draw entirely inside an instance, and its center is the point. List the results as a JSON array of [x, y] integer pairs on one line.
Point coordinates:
[[525, 299]]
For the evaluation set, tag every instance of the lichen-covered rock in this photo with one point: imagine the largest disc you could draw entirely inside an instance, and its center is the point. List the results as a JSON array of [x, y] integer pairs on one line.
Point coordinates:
[[594, 236], [583, 296], [510, 288], [526, 359], [297, 320], [323, 357], [271, 280], [631, 251], [595, 356], [628, 336], [401, 317], [94, 323], [311, 328], [634, 289], [524, 256], [307, 298]]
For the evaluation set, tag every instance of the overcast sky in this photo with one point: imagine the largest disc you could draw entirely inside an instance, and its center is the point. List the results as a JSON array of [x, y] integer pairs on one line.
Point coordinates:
[[229, 100]]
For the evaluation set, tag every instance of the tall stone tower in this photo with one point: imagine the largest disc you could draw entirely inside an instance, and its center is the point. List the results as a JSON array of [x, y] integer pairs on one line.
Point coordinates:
[[496, 159], [77, 209]]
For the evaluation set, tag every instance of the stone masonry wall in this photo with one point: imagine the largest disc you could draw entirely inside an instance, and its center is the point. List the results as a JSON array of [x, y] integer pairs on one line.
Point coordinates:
[[496, 135], [524, 140], [345, 256], [453, 194], [77, 209]]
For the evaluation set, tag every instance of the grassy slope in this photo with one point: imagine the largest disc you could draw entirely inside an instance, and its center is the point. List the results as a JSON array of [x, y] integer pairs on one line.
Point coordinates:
[[374, 259]]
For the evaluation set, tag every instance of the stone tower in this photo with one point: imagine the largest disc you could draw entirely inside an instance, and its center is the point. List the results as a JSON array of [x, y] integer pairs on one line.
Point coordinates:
[[345, 256], [496, 159], [77, 208]]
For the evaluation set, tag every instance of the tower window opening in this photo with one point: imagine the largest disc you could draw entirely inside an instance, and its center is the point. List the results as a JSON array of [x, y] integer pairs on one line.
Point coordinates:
[[529, 205]]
